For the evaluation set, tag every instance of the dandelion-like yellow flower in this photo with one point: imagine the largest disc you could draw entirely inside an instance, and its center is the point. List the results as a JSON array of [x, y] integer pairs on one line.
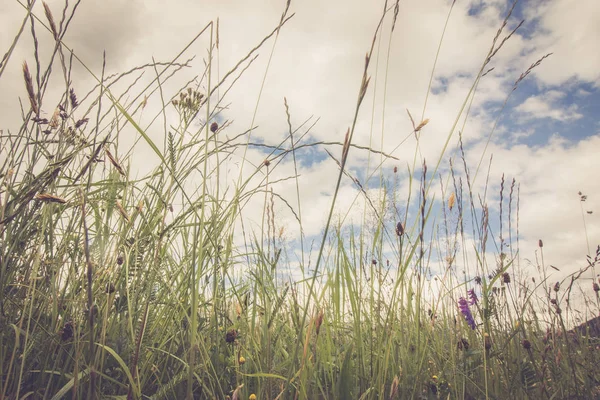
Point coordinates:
[[241, 360], [435, 378], [252, 397]]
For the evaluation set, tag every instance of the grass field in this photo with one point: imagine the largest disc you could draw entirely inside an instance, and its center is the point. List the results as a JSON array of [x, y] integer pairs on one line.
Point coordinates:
[[108, 290]]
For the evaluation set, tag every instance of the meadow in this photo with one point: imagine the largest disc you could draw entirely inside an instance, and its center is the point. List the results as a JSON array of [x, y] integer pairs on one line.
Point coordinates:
[[108, 290]]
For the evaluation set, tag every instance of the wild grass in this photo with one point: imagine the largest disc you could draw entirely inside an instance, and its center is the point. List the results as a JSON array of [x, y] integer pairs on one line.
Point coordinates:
[[109, 291]]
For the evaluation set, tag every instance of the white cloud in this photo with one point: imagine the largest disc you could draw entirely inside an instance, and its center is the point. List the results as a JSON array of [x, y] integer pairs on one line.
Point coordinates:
[[569, 29], [549, 106]]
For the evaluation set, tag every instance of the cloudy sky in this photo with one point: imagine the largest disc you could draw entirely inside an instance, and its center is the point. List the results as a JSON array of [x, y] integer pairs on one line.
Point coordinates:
[[546, 136]]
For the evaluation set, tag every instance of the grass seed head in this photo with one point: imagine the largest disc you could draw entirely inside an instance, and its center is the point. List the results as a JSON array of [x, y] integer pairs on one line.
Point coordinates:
[[50, 18], [394, 387], [29, 87], [451, 201], [45, 197], [422, 124]]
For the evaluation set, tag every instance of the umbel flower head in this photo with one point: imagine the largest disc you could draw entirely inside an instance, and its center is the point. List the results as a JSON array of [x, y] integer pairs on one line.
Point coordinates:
[[463, 306]]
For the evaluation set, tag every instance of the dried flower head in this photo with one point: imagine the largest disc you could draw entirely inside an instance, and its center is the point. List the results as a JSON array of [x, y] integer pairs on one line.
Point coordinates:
[[231, 335], [422, 124], [399, 229], [451, 201], [54, 120], [540, 243], [596, 287], [556, 286], [214, 127], [526, 344], [506, 277], [266, 163]]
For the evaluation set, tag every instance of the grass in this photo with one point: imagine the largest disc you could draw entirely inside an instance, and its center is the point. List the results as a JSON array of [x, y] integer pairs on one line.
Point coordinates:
[[109, 291]]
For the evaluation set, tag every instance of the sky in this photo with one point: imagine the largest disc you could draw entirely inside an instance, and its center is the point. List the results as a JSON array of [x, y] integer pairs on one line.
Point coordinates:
[[544, 134]]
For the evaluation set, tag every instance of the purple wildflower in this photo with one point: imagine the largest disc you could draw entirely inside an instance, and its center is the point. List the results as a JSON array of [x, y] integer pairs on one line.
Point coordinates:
[[472, 297], [463, 305]]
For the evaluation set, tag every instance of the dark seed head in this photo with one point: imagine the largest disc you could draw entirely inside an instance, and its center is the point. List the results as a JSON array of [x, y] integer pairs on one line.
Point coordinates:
[[213, 127], [66, 332], [230, 336], [487, 342], [399, 229]]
